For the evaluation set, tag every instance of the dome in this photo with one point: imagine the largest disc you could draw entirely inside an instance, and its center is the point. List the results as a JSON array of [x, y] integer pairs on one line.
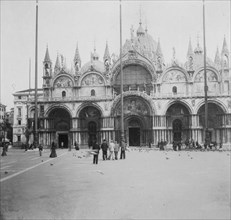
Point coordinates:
[[93, 65], [143, 43], [95, 55], [140, 30], [198, 49]]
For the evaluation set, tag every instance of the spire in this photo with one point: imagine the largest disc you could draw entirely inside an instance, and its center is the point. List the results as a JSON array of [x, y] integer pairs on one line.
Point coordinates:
[[190, 51], [158, 49], [106, 53], [47, 57], [225, 49], [217, 59], [57, 64], [77, 60]]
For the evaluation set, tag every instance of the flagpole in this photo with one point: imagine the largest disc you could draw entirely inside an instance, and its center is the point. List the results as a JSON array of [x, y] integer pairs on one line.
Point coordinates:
[[122, 78], [36, 79], [207, 138], [29, 76]]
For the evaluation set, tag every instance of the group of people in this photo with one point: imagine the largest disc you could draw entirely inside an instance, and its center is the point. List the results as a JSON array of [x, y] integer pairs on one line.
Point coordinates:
[[112, 148], [189, 144]]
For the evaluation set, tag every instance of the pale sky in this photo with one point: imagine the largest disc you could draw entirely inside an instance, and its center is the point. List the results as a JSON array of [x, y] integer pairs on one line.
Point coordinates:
[[64, 23]]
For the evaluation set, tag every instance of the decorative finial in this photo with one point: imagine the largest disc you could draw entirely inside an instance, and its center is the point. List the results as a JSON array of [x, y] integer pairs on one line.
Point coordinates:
[[198, 37], [174, 53]]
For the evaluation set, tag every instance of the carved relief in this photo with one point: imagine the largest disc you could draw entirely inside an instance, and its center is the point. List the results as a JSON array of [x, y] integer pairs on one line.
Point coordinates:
[[174, 76], [92, 80], [63, 82], [211, 76], [133, 106]]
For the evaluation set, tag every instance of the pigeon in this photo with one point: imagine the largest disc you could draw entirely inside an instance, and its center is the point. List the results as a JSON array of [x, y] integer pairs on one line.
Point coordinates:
[[42, 161], [51, 164], [99, 171], [167, 158], [6, 172], [79, 157]]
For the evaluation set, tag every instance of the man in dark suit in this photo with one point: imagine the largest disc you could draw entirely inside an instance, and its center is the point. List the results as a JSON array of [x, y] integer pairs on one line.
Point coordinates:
[[96, 149], [104, 147]]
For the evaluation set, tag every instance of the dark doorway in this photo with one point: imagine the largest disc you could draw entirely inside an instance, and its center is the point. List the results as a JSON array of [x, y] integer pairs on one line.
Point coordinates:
[[63, 140], [92, 132], [134, 136], [177, 130]]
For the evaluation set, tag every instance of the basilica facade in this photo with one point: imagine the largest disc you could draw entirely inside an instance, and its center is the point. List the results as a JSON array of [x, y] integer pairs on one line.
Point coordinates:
[[161, 101]]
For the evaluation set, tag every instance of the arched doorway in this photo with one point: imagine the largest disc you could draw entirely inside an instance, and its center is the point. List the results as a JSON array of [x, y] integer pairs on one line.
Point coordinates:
[[59, 121], [178, 120], [137, 121], [89, 125], [177, 130], [134, 129], [215, 118]]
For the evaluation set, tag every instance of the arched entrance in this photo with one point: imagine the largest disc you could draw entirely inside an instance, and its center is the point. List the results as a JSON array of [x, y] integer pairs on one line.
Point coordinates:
[[59, 121], [137, 121], [215, 118], [178, 120], [134, 129], [89, 125], [177, 130]]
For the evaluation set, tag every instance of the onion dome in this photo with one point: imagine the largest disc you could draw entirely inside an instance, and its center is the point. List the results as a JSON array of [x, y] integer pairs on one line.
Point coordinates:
[[142, 43], [94, 64], [140, 31], [198, 49], [95, 55]]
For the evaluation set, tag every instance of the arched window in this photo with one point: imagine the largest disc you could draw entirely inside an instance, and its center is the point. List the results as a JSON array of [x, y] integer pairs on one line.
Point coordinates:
[[174, 90], [92, 92], [63, 94]]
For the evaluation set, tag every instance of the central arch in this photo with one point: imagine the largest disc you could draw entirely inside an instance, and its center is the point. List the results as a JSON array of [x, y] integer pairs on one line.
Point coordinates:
[[137, 120]]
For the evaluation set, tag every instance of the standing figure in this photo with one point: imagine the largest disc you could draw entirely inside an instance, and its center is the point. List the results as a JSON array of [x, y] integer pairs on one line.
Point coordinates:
[[53, 150], [123, 148], [104, 147], [116, 150], [111, 150], [96, 149], [76, 146], [4, 149], [62, 144], [174, 145], [40, 149]]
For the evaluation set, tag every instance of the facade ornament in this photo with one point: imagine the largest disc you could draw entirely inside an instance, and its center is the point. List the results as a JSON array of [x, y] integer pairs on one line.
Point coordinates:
[[193, 102], [132, 55]]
